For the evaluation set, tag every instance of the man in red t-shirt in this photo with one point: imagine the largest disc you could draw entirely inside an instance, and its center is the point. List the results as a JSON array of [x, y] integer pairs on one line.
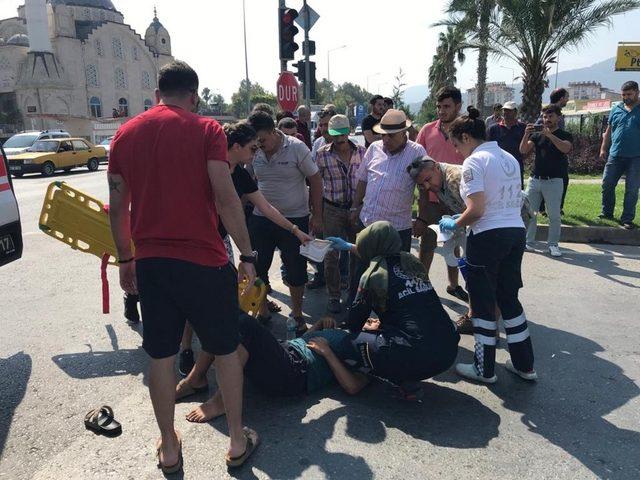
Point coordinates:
[[170, 165], [434, 137]]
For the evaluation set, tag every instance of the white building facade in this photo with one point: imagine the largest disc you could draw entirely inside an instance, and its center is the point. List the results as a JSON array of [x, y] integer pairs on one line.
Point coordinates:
[[88, 73]]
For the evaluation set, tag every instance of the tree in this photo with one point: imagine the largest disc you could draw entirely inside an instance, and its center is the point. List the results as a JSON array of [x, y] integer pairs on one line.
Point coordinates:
[[325, 92], [257, 94], [398, 91], [442, 72], [473, 17], [451, 46], [532, 32]]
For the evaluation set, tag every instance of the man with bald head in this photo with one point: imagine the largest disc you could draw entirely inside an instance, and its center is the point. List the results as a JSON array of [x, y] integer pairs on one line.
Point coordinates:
[[304, 117]]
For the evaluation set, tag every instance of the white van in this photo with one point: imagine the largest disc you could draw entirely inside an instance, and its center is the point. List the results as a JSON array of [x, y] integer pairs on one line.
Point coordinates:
[[21, 141], [10, 229]]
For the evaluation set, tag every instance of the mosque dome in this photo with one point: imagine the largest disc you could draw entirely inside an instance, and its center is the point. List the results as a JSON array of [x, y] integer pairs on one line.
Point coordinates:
[[19, 39], [106, 4]]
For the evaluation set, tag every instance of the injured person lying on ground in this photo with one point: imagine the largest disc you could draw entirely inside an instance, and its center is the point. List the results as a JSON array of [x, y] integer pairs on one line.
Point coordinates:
[[299, 366], [414, 338]]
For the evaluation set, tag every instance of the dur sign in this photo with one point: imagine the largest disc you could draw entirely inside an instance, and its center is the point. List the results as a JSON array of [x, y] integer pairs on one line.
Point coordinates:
[[628, 57]]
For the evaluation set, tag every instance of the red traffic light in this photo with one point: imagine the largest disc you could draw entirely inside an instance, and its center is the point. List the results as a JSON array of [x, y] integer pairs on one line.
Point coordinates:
[[289, 15]]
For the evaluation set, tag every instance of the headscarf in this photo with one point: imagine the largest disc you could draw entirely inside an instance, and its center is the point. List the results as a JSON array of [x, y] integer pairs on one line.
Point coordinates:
[[374, 244]]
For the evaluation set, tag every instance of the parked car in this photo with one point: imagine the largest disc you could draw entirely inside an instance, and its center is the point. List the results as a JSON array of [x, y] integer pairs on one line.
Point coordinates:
[[106, 144], [47, 156], [20, 142], [10, 228]]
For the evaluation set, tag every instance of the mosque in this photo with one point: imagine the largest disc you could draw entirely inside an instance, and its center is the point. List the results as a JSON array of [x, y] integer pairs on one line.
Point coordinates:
[[76, 65]]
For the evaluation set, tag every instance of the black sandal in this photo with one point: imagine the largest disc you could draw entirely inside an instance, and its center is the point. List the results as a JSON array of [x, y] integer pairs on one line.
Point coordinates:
[[101, 421], [273, 307], [301, 326]]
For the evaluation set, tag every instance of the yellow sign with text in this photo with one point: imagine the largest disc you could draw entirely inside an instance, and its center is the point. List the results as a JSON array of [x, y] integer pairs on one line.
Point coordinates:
[[628, 58]]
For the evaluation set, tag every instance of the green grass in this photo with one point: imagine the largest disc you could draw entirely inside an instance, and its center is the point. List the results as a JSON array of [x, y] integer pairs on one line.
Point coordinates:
[[580, 176], [582, 206]]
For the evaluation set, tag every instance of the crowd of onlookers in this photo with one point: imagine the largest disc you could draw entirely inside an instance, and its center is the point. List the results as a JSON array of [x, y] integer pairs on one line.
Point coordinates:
[[267, 184]]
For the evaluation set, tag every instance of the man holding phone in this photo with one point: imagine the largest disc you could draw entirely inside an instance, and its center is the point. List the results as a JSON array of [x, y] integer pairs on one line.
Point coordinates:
[[552, 144]]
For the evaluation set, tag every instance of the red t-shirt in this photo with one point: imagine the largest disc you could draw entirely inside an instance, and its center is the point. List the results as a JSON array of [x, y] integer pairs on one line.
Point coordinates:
[[438, 148], [162, 155]]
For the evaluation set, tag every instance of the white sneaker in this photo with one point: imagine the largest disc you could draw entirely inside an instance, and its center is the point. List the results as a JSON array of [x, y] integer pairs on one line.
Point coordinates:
[[554, 250], [531, 376], [529, 247], [468, 370]]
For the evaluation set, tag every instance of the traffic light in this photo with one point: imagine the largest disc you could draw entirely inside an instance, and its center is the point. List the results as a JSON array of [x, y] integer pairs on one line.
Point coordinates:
[[301, 75], [288, 31]]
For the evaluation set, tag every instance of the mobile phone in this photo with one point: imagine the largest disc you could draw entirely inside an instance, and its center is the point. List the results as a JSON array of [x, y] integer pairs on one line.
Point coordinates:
[[538, 128]]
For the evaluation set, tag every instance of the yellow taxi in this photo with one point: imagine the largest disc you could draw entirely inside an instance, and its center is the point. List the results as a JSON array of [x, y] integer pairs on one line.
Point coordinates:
[[47, 156]]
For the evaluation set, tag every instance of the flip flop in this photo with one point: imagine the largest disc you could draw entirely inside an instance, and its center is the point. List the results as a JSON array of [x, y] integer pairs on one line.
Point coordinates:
[[191, 390], [252, 443], [101, 421], [168, 470]]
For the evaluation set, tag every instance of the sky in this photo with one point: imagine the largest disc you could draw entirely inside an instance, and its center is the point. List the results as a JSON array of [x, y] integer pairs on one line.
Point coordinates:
[[380, 37]]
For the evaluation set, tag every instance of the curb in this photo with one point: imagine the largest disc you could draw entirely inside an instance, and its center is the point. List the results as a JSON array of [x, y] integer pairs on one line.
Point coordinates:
[[606, 235]]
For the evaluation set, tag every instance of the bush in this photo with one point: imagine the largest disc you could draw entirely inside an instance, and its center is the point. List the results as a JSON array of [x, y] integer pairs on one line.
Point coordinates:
[[584, 159]]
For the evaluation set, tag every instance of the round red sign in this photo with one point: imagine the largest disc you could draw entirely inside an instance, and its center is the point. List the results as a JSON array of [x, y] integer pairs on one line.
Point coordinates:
[[287, 88]]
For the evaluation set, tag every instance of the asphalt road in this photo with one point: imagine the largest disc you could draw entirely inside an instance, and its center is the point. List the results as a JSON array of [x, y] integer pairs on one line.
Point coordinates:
[[60, 356]]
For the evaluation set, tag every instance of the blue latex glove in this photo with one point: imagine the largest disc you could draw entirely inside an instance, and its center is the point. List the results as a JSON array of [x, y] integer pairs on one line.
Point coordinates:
[[338, 243], [447, 225]]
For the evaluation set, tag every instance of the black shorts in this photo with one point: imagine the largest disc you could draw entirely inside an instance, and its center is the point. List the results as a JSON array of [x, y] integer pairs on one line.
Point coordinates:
[[174, 291], [266, 236], [273, 367]]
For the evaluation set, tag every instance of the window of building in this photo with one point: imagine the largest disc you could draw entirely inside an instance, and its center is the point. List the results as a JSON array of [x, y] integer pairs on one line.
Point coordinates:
[[92, 76], [124, 107], [120, 79], [164, 41], [146, 80], [117, 48], [99, 49], [147, 104], [136, 53], [95, 105]]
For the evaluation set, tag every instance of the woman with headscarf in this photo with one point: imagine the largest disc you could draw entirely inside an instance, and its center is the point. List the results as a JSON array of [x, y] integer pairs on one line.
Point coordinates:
[[490, 187], [413, 338]]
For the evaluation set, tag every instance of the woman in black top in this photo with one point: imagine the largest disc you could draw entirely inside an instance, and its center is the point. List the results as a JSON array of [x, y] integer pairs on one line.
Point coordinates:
[[414, 338]]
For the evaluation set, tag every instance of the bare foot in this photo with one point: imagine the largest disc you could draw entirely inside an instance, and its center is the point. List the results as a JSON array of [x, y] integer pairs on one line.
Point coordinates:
[[168, 452], [186, 387], [212, 408]]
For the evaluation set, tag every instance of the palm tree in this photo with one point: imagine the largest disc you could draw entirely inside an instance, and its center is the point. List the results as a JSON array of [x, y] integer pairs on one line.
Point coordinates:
[[451, 46], [532, 32], [474, 18]]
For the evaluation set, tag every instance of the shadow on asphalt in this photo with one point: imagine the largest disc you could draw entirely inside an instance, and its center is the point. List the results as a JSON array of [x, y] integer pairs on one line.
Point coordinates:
[[15, 372], [291, 442], [577, 389], [604, 264], [97, 364], [72, 173]]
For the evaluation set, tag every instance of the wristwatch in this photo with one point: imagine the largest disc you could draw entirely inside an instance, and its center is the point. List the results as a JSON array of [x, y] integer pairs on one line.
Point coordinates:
[[253, 258]]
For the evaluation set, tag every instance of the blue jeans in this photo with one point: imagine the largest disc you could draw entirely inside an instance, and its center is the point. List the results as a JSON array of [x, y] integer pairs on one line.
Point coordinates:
[[613, 170]]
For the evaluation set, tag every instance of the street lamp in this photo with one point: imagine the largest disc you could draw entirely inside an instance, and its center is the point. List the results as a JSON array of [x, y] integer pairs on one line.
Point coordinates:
[[371, 76], [246, 58], [329, 60]]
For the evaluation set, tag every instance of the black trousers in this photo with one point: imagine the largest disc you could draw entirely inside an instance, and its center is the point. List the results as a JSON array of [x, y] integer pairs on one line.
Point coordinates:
[[494, 259]]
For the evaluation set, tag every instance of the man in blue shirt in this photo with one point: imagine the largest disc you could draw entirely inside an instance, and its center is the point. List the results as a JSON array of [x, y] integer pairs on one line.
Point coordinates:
[[621, 148]]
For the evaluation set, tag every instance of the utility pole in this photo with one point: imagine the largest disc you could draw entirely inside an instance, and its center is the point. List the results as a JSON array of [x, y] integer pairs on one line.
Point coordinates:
[[246, 58], [283, 63], [307, 69]]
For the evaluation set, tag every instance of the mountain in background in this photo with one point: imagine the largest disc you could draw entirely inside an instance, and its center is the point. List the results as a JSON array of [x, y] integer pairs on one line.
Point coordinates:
[[602, 72]]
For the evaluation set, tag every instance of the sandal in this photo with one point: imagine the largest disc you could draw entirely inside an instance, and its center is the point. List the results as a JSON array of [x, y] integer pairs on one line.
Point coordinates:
[[168, 470], [101, 421], [190, 390], [252, 442], [273, 307], [459, 293], [464, 325]]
